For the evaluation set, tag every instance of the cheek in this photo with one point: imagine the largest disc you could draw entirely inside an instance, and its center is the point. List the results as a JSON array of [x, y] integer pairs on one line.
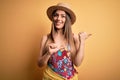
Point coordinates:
[[64, 21], [54, 18]]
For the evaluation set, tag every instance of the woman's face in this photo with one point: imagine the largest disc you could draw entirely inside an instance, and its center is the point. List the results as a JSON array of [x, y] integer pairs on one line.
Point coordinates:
[[59, 18]]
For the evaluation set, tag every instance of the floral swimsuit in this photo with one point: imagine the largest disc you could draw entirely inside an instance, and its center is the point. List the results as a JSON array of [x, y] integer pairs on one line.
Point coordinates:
[[61, 63]]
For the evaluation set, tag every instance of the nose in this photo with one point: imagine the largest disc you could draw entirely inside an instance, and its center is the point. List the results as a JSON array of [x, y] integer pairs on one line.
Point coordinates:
[[59, 17]]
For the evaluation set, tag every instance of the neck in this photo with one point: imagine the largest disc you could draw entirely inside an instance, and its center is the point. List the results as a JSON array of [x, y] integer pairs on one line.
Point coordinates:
[[59, 33]]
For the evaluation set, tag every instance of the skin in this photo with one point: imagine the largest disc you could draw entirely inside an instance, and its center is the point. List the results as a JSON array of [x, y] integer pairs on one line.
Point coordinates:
[[59, 20]]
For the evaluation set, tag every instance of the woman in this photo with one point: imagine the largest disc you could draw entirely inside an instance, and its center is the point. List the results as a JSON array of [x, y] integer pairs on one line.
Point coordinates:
[[61, 49]]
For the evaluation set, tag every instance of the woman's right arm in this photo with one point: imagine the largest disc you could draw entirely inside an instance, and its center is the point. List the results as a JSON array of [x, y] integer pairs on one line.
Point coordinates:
[[43, 59]]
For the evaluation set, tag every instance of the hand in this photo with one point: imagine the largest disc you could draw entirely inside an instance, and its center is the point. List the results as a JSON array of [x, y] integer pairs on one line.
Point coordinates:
[[52, 48], [83, 36]]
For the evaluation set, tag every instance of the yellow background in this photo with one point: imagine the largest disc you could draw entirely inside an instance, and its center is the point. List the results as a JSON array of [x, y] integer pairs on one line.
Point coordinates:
[[23, 22]]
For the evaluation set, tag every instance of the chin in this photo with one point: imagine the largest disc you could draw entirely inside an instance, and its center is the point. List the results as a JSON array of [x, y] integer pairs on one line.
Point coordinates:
[[59, 27]]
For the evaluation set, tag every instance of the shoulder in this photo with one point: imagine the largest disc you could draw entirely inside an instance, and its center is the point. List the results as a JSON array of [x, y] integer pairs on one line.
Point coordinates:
[[44, 39], [76, 41], [75, 37]]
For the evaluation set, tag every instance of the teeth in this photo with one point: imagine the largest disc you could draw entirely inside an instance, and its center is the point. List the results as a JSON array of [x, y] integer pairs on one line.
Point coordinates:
[[58, 22]]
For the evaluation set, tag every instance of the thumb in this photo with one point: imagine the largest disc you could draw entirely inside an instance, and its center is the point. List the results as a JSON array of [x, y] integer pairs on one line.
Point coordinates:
[[89, 35]]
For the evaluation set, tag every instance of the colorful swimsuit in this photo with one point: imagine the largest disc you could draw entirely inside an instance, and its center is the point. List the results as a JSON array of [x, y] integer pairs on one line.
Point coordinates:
[[61, 63]]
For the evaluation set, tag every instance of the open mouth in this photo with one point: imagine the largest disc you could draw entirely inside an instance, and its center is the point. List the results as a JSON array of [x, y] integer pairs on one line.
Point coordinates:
[[58, 22]]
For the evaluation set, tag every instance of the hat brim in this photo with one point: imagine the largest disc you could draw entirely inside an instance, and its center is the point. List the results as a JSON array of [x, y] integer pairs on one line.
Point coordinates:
[[51, 9]]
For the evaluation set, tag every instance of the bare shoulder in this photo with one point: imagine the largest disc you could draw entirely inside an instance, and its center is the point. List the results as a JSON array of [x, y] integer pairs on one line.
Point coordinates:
[[75, 36], [44, 37], [43, 40], [76, 40]]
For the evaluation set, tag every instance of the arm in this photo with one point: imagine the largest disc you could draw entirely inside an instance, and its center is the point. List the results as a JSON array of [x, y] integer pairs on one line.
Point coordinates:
[[43, 59], [80, 45]]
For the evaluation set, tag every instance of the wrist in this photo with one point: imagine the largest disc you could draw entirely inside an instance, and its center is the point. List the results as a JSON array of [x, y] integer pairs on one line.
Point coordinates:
[[82, 40]]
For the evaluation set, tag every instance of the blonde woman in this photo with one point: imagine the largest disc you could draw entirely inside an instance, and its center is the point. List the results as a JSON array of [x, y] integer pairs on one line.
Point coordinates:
[[61, 49]]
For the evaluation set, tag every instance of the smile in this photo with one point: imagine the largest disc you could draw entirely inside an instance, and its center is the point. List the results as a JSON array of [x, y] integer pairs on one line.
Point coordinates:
[[59, 22]]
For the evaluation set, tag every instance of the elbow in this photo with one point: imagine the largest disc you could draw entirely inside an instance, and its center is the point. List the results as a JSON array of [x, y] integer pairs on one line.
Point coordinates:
[[78, 63], [41, 64]]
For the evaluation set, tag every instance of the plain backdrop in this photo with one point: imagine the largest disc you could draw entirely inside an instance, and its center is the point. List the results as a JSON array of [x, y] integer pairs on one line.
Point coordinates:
[[24, 22]]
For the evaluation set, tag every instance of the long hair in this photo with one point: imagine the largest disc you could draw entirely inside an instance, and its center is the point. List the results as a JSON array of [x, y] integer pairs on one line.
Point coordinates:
[[67, 33]]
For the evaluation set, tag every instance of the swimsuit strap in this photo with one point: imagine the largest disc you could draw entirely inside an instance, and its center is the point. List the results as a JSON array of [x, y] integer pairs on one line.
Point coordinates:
[[68, 47]]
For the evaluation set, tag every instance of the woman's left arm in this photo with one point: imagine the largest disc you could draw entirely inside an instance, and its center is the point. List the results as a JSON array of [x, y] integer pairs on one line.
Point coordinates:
[[80, 45]]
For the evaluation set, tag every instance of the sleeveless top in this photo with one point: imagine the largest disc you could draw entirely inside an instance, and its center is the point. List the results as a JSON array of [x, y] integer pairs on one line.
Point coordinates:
[[61, 63]]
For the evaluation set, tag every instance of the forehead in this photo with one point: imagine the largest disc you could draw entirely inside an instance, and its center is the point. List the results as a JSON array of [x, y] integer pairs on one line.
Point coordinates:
[[60, 12]]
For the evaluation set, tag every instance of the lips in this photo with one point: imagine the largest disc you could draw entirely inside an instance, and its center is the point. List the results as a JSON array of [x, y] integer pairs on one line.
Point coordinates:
[[58, 22]]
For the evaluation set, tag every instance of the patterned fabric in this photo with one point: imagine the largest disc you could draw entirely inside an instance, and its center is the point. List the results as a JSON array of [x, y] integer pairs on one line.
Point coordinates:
[[61, 63], [49, 74]]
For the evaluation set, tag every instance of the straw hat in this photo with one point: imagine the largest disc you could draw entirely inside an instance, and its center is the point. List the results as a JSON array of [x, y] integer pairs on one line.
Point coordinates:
[[64, 7]]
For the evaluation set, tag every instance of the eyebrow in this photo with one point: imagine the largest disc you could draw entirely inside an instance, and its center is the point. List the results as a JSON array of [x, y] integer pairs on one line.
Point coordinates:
[[60, 14]]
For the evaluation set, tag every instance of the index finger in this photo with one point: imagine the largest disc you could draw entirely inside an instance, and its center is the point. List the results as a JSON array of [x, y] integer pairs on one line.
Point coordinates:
[[52, 45]]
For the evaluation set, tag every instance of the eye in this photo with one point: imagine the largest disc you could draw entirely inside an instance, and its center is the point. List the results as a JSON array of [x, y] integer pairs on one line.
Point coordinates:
[[63, 16], [55, 15]]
